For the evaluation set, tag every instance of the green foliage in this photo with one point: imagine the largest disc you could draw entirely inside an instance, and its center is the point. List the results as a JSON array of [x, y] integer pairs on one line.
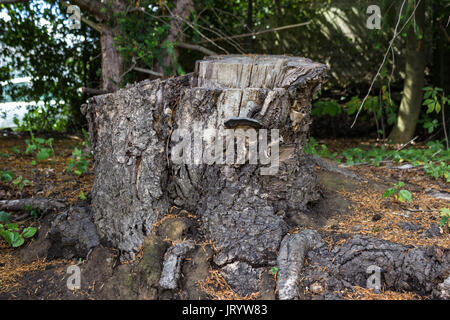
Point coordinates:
[[12, 235], [321, 150], [39, 44], [42, 148], [435, 101], [374, 108], [401, 195], [82, 196], [445, 217], [6, 175], [78, 163], [19, 182], [143, 38], [33, 212], [322, 108], [15, 149], [274, 271], [5, 217], [434, 157]]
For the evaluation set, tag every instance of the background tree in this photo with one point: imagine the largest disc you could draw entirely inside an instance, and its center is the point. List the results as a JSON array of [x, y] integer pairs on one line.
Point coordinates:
[[411, 103]]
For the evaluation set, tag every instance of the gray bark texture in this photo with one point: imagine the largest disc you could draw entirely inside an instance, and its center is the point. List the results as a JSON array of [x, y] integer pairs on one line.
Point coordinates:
[[136, 179], [423, 270]]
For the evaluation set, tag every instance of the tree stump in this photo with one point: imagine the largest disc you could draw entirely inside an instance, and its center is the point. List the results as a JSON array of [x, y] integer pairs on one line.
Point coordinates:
[[142, 135]]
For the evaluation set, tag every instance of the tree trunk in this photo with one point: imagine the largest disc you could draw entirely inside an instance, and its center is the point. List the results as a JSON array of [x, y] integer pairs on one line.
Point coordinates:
[[411, 103], [135, 134], [104, 12], [112, 63]]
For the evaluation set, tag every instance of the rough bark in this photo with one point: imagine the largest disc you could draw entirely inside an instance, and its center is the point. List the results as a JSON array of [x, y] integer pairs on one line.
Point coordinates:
[[45, 205], [129, 132], [136, 179], [411, 103], [423, 270], [112, 63]]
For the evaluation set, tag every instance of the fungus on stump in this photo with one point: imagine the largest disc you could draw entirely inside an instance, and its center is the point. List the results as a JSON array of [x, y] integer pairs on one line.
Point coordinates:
[[136, 134]]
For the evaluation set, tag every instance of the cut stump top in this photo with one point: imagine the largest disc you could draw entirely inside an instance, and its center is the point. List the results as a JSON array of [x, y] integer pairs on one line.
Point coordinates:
[[256, 71]]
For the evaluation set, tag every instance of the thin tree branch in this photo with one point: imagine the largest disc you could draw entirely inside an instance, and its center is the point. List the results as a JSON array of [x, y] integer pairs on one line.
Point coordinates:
[[396, 33], [196, 47], [148, 71], [260, 32], [194, 28]]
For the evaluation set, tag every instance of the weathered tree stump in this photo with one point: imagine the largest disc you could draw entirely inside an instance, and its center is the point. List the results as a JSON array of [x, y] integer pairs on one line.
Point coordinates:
[[142, 167]]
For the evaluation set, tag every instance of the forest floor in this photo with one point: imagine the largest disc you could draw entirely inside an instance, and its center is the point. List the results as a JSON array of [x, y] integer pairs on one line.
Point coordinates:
[[415, 223]]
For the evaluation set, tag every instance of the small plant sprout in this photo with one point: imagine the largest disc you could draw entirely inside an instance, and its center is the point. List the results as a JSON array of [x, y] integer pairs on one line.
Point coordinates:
[[445, 217], [42, 148], [20, 182], [82, 196], [399, 194], [5, 217], [12, 235], [274, 271], [78, 163]]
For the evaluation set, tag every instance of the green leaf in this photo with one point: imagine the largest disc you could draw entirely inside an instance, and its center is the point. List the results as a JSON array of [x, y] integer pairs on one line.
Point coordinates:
[[43, 154], [12, 226], [7, 175], [15, 149], [445, 212], [17, 180], [389, 192], [29, 232], [427, 101], [437, 107], [404, 195], [5, 217], [274, 271], [17, 240], [82, 196], [12, 238]]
